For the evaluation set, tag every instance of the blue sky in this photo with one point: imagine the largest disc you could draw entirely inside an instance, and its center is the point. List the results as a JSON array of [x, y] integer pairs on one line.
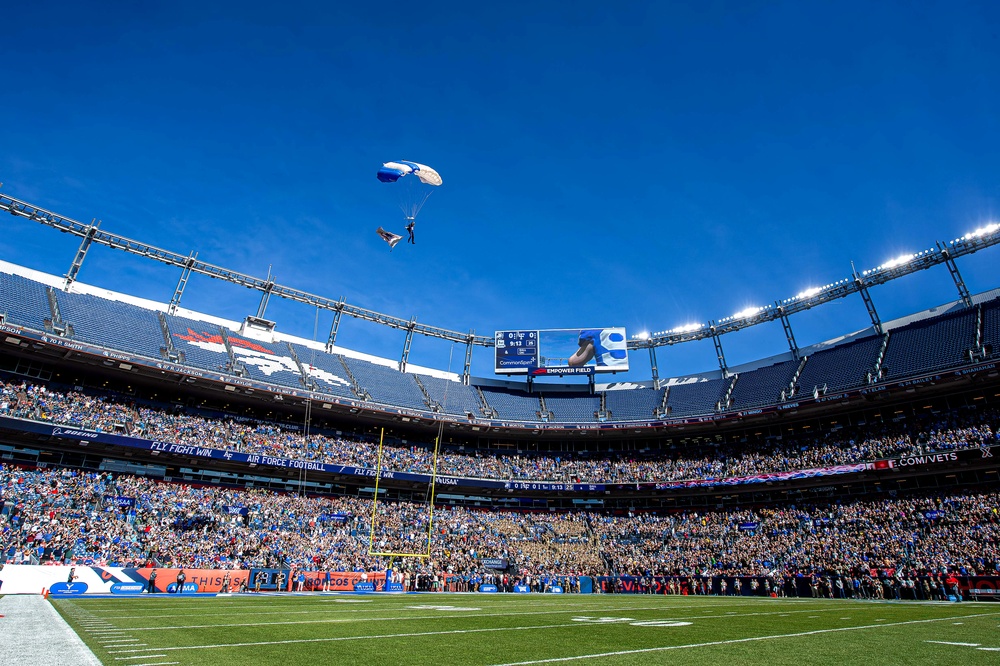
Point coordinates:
[[605, 164]]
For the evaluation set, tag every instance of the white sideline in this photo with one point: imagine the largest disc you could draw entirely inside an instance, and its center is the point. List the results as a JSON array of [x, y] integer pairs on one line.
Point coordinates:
[[32, 632]]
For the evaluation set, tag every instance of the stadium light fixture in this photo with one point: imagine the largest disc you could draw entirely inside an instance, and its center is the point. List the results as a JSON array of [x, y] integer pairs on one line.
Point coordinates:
[[898, 261], [644, 335], [687, 328], [981, 231], [808, 293], [747, 312]]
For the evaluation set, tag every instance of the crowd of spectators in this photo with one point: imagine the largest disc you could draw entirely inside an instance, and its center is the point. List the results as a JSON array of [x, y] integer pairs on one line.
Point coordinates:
[[79, 517], [920, 434], [935, 532]]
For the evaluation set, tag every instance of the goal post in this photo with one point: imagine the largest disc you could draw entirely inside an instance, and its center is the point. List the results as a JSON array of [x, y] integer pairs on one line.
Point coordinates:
[[430, 516]]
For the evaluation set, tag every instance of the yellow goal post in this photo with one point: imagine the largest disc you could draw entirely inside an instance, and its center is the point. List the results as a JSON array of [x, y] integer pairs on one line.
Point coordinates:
[[430, 518]]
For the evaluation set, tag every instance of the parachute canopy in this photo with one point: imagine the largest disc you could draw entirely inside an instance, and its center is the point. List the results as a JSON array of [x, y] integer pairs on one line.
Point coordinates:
[[393, 171]]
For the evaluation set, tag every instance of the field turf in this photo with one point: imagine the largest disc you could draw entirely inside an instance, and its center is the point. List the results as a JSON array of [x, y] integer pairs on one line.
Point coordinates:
[[454, 629]]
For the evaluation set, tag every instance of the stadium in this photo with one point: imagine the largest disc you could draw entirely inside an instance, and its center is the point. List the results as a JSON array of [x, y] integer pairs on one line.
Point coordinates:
[[251, 414], [173, 440]]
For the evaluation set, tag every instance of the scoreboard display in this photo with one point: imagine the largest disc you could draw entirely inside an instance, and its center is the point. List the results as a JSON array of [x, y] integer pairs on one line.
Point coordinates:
[[516, 351], [564, 351]]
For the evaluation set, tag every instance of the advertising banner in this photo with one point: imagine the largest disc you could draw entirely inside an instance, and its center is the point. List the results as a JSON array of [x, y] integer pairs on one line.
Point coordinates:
[[32, 579]]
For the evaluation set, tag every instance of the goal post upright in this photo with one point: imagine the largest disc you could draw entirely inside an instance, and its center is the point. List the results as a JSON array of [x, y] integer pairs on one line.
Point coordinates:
[[430, 516]]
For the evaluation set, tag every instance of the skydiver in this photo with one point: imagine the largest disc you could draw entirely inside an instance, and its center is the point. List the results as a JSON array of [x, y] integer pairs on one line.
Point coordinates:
[[409, 230]]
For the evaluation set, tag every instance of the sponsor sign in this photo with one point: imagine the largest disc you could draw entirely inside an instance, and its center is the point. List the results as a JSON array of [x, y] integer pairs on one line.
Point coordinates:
[[267, 579], [489, 589], [747, 527], [127, 588], [364, 587], [555, 589], [190, 588], [207, 580], [522, 589], [68, 588], [499, 563]]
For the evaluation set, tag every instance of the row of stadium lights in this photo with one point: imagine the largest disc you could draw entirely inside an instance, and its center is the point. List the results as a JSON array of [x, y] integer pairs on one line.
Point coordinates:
[[812, 291]]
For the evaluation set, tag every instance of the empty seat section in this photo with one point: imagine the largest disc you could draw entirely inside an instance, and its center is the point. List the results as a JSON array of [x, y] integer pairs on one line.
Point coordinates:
[[112, 324], [695, 397], [387, 386], [327, 370], [929, 345], [842, 367], [200, 342], [633, 404], [991, 327], [23, 302], [513, 405], [573, 407], [454, 397], [763, 386]]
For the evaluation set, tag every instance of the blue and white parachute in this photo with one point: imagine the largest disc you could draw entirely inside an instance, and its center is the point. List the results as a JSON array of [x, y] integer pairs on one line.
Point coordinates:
[[393, 171], [419, 181]]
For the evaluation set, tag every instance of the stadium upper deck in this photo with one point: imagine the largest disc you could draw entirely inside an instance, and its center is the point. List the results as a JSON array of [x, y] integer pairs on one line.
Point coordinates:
[[130, 332]]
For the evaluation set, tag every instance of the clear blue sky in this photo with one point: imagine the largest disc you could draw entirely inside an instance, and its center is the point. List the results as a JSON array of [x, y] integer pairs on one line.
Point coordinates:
[[633, 164]]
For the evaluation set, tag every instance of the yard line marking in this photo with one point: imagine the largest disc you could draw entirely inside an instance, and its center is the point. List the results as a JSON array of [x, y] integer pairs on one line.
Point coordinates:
[[950, 643], [159, 663], [739, 640], [989, 649], [141, 656], [127, 646]]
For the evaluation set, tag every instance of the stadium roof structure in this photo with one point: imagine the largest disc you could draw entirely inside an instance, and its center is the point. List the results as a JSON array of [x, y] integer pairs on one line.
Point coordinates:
[[858, 283]]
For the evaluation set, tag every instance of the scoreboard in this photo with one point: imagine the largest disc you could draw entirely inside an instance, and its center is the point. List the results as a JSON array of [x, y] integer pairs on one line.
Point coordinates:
[[561, 351], [516, 351]]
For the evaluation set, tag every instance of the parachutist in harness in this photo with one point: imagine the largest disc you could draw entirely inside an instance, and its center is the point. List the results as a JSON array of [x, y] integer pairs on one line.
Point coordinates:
[[409, 230]]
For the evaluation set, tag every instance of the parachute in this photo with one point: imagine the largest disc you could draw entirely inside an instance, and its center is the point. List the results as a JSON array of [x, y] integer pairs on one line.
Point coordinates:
[[393, 171], [419, 181]]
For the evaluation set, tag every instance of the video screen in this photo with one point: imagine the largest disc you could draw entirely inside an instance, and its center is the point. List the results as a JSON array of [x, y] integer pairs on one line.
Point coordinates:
[[562, 351]]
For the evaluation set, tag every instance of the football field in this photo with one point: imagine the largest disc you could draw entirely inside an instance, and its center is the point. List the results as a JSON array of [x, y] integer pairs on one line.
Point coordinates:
[[494, 629]]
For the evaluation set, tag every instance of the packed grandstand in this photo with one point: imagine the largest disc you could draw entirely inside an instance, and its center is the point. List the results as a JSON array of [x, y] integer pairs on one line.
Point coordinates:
[[141, 435]]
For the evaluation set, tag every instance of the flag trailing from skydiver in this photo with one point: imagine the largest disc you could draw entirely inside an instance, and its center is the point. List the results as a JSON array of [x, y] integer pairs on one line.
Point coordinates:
[[389, 237]]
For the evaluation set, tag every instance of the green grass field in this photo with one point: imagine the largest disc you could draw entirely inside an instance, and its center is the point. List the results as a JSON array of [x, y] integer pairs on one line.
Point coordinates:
[[446, 629]]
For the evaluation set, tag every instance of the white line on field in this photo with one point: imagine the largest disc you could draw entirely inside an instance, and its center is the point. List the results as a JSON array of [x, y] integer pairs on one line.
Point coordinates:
[[739, 640], [950, 643], [141, 656], [137, 645]]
